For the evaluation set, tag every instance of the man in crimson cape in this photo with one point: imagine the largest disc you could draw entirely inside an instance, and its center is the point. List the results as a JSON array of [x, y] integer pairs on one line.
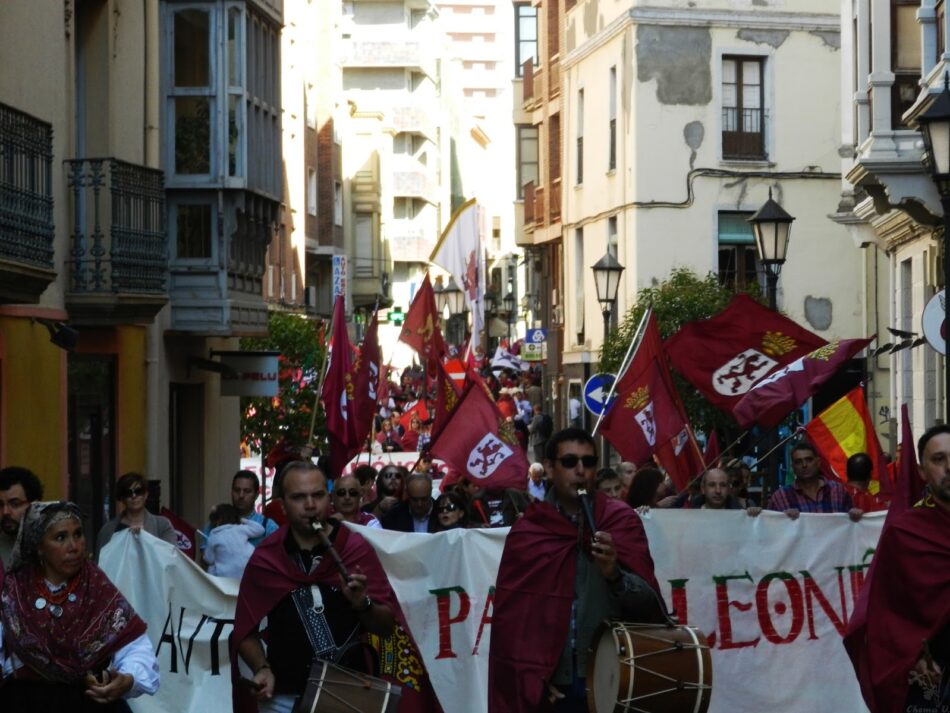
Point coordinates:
[[902, 646], [292, 564], [558, 580]]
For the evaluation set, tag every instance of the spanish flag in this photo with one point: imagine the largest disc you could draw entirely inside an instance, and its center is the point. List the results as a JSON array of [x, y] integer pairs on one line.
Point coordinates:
[[846, 428]]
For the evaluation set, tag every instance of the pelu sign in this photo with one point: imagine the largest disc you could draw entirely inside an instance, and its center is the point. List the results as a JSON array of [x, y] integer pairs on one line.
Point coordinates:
[[249, 373]]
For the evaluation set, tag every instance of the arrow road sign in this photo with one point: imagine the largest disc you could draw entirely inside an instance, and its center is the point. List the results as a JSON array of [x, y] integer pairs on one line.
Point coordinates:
[[595, 393]]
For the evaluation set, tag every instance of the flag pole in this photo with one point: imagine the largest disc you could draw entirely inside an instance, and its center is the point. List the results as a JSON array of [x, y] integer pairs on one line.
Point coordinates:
[[316, 398], [637, 338]]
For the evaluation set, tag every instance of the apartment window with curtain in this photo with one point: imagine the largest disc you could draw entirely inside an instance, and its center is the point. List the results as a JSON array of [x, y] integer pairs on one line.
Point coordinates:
[[941, 12], [905, 58], [743, 113], [612, 121], [527, 158], [580, 136], [738, 261], [612, 236], [311, 191], [526, 35]]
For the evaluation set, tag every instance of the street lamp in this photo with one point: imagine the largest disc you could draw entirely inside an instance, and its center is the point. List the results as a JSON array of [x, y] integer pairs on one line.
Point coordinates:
[[771, 226], [509, 303], [934, 124], [451, 297], [607, 273]]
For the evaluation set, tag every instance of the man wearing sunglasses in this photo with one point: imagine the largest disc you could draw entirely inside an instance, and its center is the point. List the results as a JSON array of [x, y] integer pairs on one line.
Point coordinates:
[[558, 580], [416, 513]]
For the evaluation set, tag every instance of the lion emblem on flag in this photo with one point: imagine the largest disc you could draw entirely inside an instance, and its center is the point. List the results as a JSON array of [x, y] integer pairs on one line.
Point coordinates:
[[739, 374], [489, 453], [647, 422]]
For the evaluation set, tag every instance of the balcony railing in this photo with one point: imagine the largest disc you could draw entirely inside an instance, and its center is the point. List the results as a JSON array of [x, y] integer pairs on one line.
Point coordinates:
[[555, 200], [527, 80], [529, 203], [26, 203], [118, 242]]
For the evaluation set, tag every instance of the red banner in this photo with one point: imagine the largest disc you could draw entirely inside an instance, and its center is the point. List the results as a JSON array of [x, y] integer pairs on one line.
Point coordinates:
[[726, 355], [421, 327]]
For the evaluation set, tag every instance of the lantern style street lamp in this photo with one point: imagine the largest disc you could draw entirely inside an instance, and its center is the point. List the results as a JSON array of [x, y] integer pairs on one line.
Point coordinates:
[[934, 124], [771, 226], [607, 272]]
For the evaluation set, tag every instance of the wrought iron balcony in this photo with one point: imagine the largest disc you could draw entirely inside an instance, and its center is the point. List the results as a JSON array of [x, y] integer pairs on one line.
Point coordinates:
[[26, 206], [117, 268]]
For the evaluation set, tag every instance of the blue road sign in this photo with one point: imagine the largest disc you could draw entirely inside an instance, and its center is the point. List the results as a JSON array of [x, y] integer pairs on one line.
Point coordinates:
[[536, 336], [595, 393]]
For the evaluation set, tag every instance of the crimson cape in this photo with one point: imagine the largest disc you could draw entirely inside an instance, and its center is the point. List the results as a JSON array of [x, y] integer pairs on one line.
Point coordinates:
[[271, 575], [905, 600], [534, 592]]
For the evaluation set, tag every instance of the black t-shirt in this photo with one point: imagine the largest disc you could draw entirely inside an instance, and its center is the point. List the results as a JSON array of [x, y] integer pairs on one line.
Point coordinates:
[[289, 651]]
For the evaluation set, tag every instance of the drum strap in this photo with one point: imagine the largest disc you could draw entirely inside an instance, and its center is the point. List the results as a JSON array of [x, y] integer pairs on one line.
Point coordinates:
[[309, 604]]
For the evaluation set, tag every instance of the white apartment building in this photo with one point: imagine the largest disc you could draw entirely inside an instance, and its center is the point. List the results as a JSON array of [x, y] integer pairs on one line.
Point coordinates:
[[894, 58], [676, 120]]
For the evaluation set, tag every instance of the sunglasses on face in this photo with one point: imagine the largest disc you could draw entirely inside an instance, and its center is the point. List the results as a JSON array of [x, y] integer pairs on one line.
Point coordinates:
[[133, 493], [570, 461], [390, 474], [447, 508], [351, 493]]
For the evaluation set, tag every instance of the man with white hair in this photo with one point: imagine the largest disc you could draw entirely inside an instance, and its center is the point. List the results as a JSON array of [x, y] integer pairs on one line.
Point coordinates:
[[536, 488]]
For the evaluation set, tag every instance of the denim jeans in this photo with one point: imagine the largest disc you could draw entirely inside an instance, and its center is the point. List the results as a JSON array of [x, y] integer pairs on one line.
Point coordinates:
[[280, 703]]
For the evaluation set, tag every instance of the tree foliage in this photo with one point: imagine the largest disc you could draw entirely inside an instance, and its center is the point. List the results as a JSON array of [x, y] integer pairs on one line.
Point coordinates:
[[682, 298], [302, 346]]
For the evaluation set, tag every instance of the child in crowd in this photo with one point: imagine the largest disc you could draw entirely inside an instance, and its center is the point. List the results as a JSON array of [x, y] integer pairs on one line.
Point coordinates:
[[228, 549]]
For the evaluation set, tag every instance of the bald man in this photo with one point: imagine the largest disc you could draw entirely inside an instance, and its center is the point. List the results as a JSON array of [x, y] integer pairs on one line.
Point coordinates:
[[714, 492]]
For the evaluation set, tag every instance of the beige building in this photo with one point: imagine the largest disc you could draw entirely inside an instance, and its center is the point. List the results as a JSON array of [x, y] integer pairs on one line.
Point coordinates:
[[676, 120], [140, 184], [894, 58]]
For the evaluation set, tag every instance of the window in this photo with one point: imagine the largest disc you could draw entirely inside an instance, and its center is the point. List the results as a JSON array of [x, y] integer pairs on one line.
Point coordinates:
[[738, 262], [905, 58], [527, 157], [338, 203], [743, 125], [192, 91], [193, 231], [580, 136], [579, 275], [612, 121], [612, 236], [526, 35], [311, 191], [940, 11], [554, 147]]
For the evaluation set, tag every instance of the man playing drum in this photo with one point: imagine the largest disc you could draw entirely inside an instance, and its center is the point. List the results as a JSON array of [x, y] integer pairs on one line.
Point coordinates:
[[558, 581], [311, 609]]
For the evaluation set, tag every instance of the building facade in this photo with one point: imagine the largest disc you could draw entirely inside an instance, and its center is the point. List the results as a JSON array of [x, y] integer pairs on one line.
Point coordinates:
[[894, 58], [141, 181], [676, 122]]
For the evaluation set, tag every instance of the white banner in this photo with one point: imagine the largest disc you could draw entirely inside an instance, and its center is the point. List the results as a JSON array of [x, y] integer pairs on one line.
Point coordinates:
[[190, 616], [772, 594]]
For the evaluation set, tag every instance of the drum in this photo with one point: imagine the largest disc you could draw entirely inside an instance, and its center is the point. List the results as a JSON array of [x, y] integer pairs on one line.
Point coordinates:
[[648, 668], [334, 689]]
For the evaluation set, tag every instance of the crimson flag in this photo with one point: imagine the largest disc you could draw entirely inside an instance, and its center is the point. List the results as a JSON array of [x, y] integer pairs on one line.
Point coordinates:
[[420, 330], [680, 458], [364, 376], [646, 414], [477, 440], [340, 429], [910, 486], [184, 533], [446, 398], [712, 451], [771, 398], [726, 355], [418, 409]]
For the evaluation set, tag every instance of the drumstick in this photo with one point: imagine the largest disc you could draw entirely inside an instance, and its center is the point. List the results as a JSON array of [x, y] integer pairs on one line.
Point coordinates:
[[321, 533], [588, 512]]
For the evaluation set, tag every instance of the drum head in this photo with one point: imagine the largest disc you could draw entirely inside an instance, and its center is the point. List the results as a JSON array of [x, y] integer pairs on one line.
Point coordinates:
[[606, 679]]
